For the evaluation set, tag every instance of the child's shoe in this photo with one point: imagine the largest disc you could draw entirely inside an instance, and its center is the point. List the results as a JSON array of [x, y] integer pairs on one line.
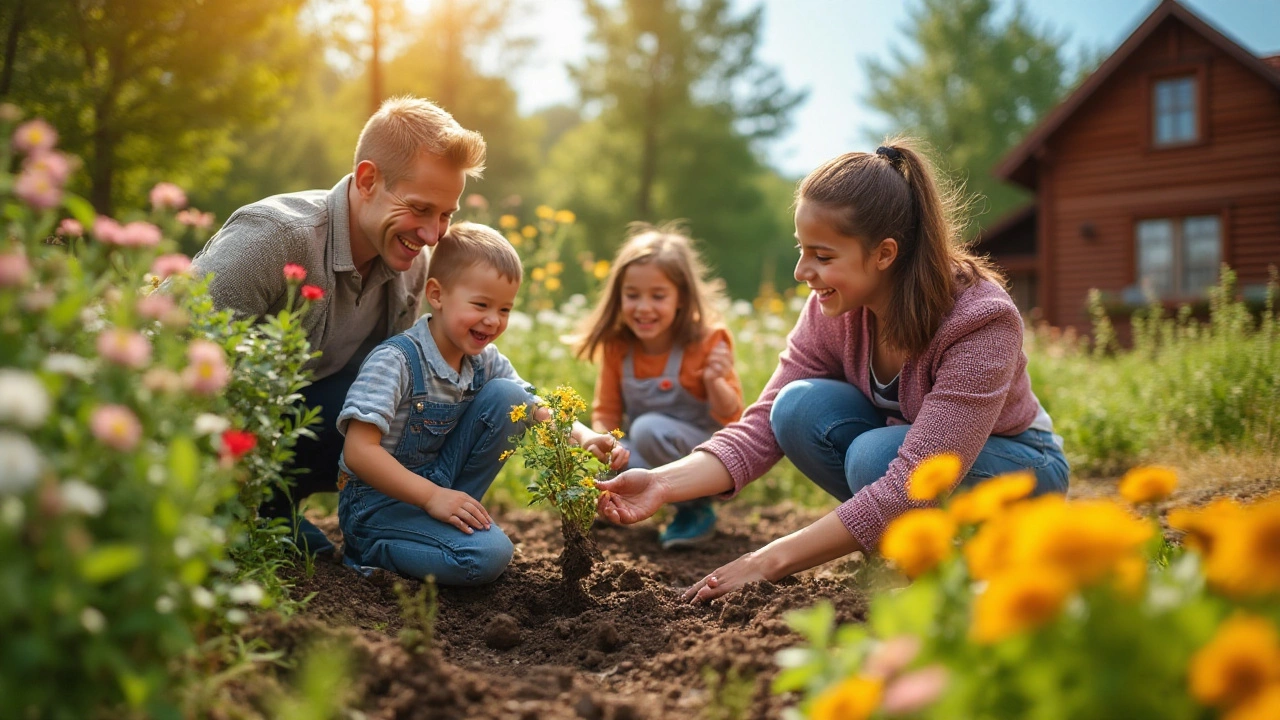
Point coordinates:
[[693, 524]]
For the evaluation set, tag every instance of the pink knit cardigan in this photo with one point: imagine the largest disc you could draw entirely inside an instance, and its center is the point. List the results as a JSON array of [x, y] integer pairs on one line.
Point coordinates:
[[970, 383]]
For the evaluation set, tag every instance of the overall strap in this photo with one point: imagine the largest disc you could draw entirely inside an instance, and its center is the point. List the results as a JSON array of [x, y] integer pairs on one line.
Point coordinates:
[[628, 364], [414, 357], [674, 358]]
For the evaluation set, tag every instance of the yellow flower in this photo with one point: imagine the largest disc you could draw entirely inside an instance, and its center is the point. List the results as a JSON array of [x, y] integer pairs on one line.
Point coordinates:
[[588, 482], [544, 212], [543, 435], [1203, 525], [990, 497], [1148, 484], [918, 540], [1130, 575], [854, 698], [988, 552], [1084, 539], [1264, 705], [506, 454], [565, 217], [515, 239], [555, 267], [1241, 659], [529, 231], [776, 306], [518, 412], [1245, 560], [600, 269], [934, 476], [553, 284], [538, 274], [1016, 602], [616, 433], [508, 222]]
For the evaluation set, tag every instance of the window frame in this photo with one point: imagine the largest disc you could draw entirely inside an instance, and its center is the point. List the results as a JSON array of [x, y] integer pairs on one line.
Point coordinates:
[[1197, 72], [1178, 216]]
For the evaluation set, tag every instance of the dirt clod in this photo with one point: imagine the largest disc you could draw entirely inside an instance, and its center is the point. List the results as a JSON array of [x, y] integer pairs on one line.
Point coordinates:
[[502, 633], [607, 638]]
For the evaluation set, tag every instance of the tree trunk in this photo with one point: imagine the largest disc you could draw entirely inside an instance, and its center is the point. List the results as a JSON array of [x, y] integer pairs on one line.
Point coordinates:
[[375, 62], [102, 166], [649, 150], [11, 47]]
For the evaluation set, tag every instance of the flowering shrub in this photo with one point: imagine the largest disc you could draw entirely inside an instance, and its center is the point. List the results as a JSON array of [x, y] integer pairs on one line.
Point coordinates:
[[1051, 608]]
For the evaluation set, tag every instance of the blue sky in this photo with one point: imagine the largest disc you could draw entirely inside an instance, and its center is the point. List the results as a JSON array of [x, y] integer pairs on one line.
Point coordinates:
[[820, 44]]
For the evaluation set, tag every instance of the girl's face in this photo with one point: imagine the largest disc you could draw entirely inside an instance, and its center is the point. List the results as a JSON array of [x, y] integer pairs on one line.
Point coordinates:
[[650, 302], [836, 267]]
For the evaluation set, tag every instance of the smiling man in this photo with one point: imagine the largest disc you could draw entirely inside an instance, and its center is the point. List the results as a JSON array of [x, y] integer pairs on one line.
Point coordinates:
[[365, 243]]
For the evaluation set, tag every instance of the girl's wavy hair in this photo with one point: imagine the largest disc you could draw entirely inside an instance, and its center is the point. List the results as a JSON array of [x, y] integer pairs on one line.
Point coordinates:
[[896, 193], [671, 250]]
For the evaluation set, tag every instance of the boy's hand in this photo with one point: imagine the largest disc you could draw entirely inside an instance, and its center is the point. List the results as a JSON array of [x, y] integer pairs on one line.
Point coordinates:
[[458, 509], [607, 450], [719, 362]]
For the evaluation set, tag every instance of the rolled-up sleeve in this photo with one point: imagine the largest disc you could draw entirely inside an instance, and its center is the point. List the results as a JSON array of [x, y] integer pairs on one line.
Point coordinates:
[[376, 393]]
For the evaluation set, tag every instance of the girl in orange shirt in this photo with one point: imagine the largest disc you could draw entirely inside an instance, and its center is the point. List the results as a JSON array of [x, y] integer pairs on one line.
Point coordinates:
[[666, 365]]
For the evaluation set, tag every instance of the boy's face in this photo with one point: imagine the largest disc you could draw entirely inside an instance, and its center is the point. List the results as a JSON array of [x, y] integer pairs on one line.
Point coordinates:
[[471, 312]]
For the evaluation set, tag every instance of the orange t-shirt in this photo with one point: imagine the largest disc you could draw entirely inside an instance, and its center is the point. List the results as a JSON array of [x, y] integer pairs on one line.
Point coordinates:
[[607, 407]]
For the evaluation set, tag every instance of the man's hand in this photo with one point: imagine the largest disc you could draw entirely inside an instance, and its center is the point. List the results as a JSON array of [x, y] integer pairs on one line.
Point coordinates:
[[458, 509]]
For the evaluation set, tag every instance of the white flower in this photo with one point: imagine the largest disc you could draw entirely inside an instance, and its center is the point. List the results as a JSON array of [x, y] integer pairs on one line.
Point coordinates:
[[23, 399], [201, 597], [157, 474], [519, 321], [183, 547], [68, 364], [164, 604], [81, 497], [93, 620], [236, 616], [12, 511], [246, 594], [210, 424], [21, 465], [741, 308]]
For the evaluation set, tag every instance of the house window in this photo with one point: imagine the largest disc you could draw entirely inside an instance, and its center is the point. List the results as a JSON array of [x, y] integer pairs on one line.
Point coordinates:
[[1175, 111], [1179, 257]]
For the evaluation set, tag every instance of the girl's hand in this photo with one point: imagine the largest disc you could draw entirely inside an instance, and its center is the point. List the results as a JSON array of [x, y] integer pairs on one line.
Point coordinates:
[[719, 362], [746, 569], [607, 450], [458, 509], [632, 496]]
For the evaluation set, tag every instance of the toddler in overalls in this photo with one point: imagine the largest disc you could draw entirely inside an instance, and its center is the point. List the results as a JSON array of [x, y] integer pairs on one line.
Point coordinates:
[[427, 419], [666, 368]]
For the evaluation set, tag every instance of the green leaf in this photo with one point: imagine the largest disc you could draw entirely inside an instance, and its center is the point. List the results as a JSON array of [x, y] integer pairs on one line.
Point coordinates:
[[109, 562], [81, 209], [910, 611], [184, 461], [814, 624]]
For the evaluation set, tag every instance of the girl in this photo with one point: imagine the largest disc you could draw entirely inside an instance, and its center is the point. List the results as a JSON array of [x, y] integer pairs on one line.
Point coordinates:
[[666, 371], [907, 347]]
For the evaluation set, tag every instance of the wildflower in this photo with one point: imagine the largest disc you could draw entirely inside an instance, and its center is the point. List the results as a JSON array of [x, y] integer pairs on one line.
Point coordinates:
[[1262, 705], [124, 347], [81, 497], [588, 482], [616, 433], [34, 135], [601, 269], [107, 230], [38, 189], [210, 424], [1129, 575], [891, 657], [1147, 484], [1240, 660], [236, 443], [311, 292], [555, 267], [139, 234], [115, 426], [1019, 601], [505, 454], [50, 162], [854, 698], [68, 364], [155, 306], [92, 620], [918, 540], [515, 239], [1084, 539], [22, 463], [246, 594], [207, 372], [1245, 560], [162, 380], [164, 605], [544, 212], [518, 412], [529, 231], [14, 269], [170, 264], [1203, 525], [538, 274], [990, 497], [167, 196], [294, 272], [508, 222], [565, 217], [543, 436], [10, 113], [70, 228], [236, 616], [23, 399], [477, 202], [934, 476], [196, 219], [553, 284], [914, 691]]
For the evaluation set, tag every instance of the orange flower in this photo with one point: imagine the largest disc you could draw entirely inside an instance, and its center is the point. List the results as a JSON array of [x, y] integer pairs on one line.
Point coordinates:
[[1242, 658], [1018, 602], [991, 496], [1148, 484], [1245, 560], [854, 698], [1203, 525], [918, 540], [934, 476], [1264, 705]]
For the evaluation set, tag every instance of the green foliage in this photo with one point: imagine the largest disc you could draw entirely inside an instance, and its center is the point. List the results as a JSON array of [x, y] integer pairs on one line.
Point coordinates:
[[731, 693], [419, 610], [324, 689]]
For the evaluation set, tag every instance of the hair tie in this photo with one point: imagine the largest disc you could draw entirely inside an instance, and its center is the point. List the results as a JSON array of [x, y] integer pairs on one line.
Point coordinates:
[[893, 155]]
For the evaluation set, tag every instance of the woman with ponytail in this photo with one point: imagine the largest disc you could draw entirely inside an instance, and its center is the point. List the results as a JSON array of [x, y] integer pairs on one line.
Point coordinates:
[[908, 347]]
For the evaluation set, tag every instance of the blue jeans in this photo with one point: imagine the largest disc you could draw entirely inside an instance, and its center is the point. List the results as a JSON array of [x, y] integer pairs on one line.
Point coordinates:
[[381, 531], [834, 435]]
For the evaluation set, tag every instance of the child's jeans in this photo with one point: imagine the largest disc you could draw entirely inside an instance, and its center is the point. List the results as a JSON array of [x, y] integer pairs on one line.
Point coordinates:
[[384, 532], [834, 435]]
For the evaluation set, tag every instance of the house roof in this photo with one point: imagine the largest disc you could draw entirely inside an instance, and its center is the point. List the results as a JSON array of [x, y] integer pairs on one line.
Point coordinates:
[[1018, 165], [1006, 222]]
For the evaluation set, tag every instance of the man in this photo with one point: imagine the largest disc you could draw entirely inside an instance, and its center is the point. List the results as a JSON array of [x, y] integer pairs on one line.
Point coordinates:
[[365, 244]]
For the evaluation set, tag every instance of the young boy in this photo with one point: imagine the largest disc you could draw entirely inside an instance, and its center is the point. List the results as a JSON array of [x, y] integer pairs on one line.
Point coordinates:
[[428, 417]]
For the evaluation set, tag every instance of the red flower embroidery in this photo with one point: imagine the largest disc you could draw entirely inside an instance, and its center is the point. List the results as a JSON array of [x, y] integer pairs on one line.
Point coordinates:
[[236, 443], [311, 292], [665, 385]]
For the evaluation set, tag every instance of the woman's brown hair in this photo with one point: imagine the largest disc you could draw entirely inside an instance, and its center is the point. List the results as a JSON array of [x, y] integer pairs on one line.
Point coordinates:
[[893, 193], [671, 250]]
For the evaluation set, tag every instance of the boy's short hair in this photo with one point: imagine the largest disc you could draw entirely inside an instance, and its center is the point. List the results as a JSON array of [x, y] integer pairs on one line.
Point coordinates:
[[467, 244], [404, 128]]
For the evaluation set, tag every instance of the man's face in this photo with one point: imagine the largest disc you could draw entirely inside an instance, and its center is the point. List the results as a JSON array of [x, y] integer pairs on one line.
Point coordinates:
[[413, 213]]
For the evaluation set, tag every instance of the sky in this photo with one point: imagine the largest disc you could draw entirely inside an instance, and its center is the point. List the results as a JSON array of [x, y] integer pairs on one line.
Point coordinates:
[[820, 45]]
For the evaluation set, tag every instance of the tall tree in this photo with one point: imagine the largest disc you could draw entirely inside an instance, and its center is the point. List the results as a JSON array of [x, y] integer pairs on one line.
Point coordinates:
[[972, 83], [145, 87]]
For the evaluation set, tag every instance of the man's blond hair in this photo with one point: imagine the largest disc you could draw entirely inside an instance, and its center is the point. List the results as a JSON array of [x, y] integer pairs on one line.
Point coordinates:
[[468, 244], [404, 128]]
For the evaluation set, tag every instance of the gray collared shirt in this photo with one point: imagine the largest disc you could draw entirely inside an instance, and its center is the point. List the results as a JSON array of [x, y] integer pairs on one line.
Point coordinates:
[[312, 229]]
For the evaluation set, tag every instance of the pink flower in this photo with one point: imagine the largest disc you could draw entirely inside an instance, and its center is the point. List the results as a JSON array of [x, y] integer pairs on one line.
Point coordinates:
[[477, 202], [38, 189], [207, 372], [51, 162], [167, 196], [140, 234], [14, 269], [156, 306], [34, 135], [914, 691], [891, 656], [171, 264], [124, 347], [311, 292], [162, 380], [107, 230], [10, 112], [70, 228], [196, 219], [294, 272], [115, 426]]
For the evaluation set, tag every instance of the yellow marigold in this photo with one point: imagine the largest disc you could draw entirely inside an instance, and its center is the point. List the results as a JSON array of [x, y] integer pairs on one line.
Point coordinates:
[[991, 496], [987, 554], [854, 698], [506, 454], [1148, 484], [553, 284], [1264, 705], [538, 274], [776, 306], [544, 212], [1017, 602], [508, 222], [918, 540], [1203, 525], [934, 476], [616, 433], [565, 217], [1084, 539], [600, 269], [529, 231], [518, 412], [1240, 660], [1130, 576], [1245, 560], [555, 267], [515, 239]]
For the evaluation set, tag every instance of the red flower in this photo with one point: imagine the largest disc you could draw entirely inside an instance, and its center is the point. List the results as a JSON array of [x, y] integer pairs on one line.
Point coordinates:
[[294, 272], [665, 385], [236, 443], [311, 292]]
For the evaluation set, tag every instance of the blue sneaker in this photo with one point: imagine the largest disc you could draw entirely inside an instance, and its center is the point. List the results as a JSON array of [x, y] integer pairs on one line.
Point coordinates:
[[693, 524]]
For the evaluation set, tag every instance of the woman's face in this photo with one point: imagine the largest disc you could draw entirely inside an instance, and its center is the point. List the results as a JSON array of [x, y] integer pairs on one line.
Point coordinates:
[[836, 267]]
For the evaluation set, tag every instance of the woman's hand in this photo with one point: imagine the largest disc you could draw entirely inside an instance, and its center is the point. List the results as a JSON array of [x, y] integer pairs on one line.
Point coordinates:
[[745, 570], [607, 449], [632, 496]]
